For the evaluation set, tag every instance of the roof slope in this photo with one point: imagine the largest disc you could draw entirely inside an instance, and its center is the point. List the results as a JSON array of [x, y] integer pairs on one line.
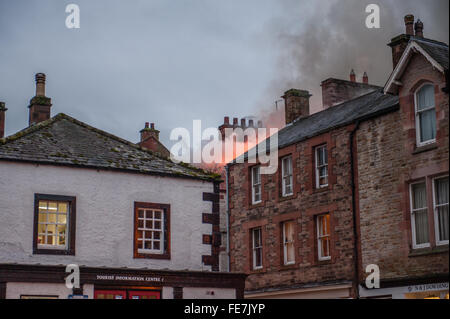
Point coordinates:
[[63, 140], [437, 50], [363, 107]]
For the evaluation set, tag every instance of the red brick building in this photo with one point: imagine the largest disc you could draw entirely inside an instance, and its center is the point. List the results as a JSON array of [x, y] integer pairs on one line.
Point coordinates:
[[340, 198]]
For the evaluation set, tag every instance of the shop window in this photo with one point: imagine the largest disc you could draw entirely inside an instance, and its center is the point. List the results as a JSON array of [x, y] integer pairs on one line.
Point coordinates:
[[54, 225], [152, 231]]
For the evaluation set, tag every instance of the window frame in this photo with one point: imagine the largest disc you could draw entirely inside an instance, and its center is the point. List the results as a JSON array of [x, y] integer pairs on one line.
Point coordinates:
[[435, 213], [413, 218], [417, 116], [253, 185], [285, 242], [290, 176], [317, 168], [166, 238], [319, 238], [69, 249], [254, 248]]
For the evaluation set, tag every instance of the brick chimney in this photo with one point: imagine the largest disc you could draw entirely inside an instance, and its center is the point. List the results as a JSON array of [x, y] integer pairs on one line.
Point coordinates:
[[418, 28], [336, 91], [147, 131], [296, 104], [39, 108], [399, 43], [3, 110]]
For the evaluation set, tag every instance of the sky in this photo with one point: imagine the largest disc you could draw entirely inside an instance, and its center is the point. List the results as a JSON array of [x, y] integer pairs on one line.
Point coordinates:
[[172, 62]]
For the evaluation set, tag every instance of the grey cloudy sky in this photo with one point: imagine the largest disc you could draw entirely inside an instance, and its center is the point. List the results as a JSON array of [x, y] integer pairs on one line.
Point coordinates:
[[171, 62]]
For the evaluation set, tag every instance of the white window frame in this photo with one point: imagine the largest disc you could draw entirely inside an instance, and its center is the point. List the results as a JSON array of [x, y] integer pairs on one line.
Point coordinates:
[[317, 167], [56, 223], [159, 251], [417, 116], [286, 242], [413, 218], [256, 184], [320, 237], [255, 248], [289, 176], [436, 218]]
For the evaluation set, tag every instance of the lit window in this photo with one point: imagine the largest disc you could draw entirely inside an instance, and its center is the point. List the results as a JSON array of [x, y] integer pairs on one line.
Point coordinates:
[[321, 166], [286, 168], [54, 224], [441, 222], [425, 115], [256, 185], [323, 237], [257, 248], [419, 215], [151, 230], [288, 243]]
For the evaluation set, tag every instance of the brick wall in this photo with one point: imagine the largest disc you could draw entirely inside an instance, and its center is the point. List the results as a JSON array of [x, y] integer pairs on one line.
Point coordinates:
[[302, 208], [388, 161]]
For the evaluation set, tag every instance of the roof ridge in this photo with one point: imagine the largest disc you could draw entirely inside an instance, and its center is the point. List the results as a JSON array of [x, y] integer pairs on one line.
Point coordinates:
[[429, 41]]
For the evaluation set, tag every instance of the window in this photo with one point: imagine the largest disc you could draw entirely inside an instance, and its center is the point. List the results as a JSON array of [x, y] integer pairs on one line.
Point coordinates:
[[256, 185], [321, 166], [425, 115], [257, 248], [54, 224], [288, 243], [419, 215], [441, 222], [323, 236], [286, 178], [152, 231]]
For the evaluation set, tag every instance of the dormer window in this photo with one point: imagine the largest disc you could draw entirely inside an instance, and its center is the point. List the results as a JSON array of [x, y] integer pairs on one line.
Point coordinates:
[[425, 115]]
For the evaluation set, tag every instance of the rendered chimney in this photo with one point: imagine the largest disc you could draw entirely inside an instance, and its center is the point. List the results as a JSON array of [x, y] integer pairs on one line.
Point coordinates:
[[39, 108], [400, 42], [352, 76], [365, 78], [418, 28], [3, 110], [296, 104]]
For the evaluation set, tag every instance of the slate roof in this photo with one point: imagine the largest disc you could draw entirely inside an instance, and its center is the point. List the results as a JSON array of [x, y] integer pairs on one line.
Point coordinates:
[[63, 140], [361, 108], [437, 50]]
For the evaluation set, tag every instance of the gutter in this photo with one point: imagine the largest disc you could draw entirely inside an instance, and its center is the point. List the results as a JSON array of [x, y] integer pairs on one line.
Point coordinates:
[[228, 216], [355, 232]]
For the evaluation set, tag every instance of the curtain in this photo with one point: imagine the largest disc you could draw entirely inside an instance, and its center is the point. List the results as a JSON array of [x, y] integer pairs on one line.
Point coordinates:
[[420, 213], [441, 188], [425, 100]]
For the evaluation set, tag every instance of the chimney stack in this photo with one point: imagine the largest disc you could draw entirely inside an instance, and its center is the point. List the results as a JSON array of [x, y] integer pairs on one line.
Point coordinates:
[[400, 42], [296, 104], [147, 131], [352, 76], [365, 78], [418, 27], [3, 110], [39, 108]]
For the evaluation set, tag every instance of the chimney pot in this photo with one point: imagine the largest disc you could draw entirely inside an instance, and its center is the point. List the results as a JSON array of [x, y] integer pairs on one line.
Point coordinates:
[[250, 123], [365, 78], [260, 124], [235, 121], [226, 120], [352, 76], [40, 84], [152, 126], [409, 24], [243, 123], [146, 124], [418, 28]]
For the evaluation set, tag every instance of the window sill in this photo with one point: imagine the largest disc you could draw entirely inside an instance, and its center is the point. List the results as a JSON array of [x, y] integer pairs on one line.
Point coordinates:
[[257, 271], [428, 251], [321, 190], [53, 251], [425, 148], [152, 256], [286, 198], [288, 267]]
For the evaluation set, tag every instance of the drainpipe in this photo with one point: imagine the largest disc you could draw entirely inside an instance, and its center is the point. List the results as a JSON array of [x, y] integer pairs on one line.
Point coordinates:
[[355, 232], [228, 217]]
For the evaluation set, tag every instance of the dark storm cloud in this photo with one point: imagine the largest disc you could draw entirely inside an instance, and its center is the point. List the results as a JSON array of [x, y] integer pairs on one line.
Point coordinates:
[[170, 62]]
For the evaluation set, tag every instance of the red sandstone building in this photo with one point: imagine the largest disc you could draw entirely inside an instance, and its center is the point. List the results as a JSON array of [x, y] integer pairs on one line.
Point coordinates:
[[365, 181]]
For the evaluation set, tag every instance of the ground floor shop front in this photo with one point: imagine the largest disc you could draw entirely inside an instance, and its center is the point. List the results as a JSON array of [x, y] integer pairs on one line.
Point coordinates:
[[49, 282]]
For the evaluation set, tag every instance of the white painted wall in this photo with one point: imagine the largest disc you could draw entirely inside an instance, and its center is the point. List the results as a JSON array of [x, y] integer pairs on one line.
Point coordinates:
[[14, 290], [105, 212]]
